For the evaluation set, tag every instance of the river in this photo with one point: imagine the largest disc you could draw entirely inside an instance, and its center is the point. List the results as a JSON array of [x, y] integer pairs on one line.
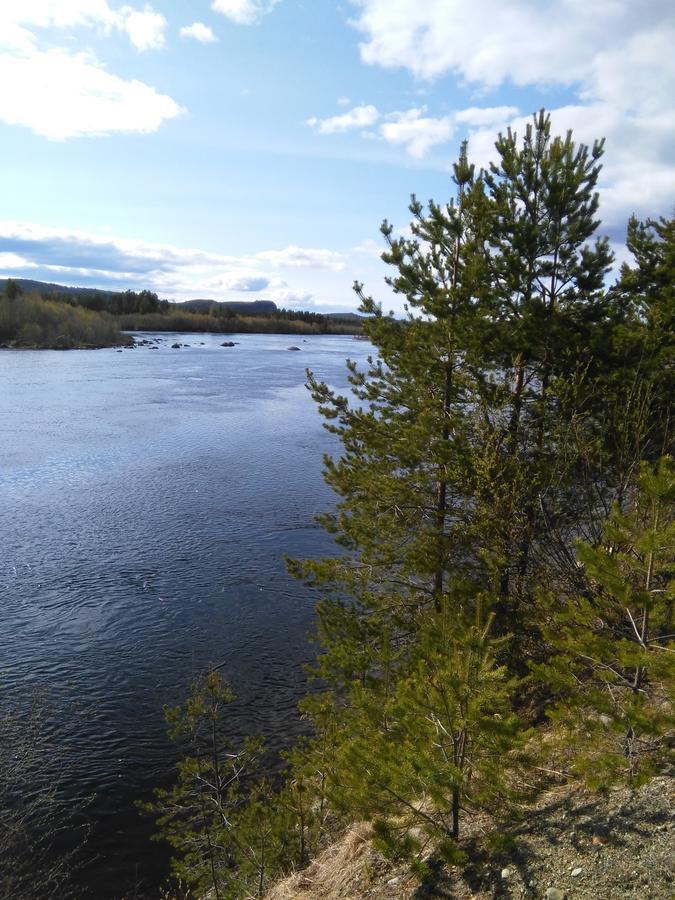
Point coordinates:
[[147, 498]]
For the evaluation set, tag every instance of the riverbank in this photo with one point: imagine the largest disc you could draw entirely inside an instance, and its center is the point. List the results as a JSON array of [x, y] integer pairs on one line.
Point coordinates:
[[571, 845]]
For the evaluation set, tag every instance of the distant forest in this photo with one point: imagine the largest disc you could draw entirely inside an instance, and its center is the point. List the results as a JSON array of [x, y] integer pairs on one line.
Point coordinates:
[[37, 314]]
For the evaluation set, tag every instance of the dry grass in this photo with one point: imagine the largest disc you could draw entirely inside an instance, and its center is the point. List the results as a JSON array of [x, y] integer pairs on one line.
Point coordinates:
[[347, 868]]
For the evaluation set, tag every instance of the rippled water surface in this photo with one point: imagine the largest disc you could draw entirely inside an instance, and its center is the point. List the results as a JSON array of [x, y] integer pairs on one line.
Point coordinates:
[[147, 500]]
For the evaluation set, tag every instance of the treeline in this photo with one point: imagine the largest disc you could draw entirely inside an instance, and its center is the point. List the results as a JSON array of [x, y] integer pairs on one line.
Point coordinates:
[[321, 324], [500, 613], [281, 322], [30, 321], [144, 311], [115, 303]]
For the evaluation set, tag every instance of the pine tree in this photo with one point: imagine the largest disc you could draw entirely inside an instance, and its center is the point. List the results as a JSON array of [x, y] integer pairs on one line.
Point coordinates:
[[439, 740], [200, 814], [642, 345], [612, 664], [545, 304], [451, 449]]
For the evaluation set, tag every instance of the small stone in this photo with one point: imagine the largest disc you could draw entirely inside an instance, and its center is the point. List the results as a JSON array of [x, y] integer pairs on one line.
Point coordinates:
[[554, 893], [506, 873], [576, 872]]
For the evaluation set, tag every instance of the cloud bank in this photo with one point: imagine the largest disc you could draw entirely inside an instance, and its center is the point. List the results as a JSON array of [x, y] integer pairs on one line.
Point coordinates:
[[81, 259]]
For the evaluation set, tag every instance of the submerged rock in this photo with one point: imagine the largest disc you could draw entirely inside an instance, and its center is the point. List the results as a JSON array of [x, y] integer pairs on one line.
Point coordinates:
[[292, 348]]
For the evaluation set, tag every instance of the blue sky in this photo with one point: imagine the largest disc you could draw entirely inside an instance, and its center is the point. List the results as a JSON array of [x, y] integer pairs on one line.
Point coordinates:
[[246, 149]]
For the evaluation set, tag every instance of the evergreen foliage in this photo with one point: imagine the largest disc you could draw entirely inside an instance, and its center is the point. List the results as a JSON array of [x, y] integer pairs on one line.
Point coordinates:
[[612, 663], [436, 740]]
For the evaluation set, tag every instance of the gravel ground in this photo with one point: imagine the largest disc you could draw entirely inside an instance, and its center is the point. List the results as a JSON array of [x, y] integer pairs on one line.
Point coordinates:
[[572, 846]]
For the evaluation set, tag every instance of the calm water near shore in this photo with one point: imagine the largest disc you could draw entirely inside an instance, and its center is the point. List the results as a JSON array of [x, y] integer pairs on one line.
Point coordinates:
[[147, 500]]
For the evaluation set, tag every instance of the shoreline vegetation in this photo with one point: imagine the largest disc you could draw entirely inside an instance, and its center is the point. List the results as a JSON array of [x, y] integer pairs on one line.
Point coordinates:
[[495, 631], [36, 316]]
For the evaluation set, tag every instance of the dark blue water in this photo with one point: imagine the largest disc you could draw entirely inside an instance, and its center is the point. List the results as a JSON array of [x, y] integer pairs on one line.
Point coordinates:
[[147, 499]]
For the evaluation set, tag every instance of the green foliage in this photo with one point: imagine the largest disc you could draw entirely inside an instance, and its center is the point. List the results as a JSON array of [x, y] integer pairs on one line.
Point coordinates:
[[612, 665], [643, 343], [435, 739]]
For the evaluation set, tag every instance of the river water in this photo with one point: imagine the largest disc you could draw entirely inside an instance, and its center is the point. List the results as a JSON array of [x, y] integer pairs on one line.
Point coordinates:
[[147, 499]]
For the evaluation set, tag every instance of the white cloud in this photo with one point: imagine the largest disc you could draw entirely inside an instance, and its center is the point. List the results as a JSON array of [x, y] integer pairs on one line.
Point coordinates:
[[416, 132], [525, 41], [199, 32], [618, 62], [14, 261], [145, 29], [304, 258], [491, 115], [59, 95], [58, 92], [411, 129], [244, 12], [18, 21], [359, 117]]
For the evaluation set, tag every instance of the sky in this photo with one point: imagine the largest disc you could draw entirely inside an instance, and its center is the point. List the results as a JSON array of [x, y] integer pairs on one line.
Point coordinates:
[[250, 149]]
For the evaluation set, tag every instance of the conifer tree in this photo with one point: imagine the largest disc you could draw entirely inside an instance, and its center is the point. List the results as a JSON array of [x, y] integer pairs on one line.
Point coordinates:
[[544, 303], [200, 814], [456, 467], [440, 741], [233, 831], [642, 345], [613, 659]]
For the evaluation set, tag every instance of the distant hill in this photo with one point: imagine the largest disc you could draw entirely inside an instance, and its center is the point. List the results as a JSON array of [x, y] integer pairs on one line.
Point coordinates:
[[47, 287], [246, 307]]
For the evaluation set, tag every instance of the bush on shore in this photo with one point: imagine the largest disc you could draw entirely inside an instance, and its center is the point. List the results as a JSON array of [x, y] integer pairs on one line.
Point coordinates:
[[28, 321]]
